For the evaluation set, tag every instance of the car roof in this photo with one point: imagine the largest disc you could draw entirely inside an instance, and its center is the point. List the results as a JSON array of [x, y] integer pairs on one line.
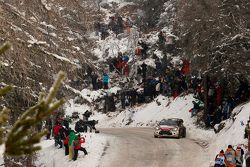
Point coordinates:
[[173, 119]]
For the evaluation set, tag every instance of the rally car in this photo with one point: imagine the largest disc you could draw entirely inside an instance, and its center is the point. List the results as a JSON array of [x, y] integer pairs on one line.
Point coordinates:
[[172, 127]]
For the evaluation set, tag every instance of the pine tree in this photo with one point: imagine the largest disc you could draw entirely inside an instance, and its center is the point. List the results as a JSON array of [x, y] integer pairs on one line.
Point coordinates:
[[21, 138]]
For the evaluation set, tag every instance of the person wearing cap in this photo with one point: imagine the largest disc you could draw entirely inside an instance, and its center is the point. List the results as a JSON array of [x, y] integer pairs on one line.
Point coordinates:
[[220, 160], [239, 156]]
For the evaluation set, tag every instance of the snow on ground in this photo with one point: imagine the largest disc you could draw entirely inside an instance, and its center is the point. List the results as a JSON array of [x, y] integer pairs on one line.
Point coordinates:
[[147, 115], [233, 133], [91, 95], [52, 156], [112, 44], [72, 107]]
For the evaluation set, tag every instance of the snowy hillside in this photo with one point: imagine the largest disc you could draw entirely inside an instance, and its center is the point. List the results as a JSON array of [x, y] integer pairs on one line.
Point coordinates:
[[93, 39], [146, 116]]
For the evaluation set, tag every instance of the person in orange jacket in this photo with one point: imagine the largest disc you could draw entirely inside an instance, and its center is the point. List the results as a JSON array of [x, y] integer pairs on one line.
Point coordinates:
[[231, 156], [77, 146]]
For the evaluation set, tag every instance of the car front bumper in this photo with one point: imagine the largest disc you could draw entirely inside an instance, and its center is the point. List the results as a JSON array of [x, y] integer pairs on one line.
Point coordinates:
[[166, 133]]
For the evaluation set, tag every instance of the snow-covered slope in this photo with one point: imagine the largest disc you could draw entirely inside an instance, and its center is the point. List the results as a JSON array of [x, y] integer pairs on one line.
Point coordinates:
[[148, 114], [52, 156]]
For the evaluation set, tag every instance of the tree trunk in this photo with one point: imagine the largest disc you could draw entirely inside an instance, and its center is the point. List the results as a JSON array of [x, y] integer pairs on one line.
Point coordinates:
[[205, 97]]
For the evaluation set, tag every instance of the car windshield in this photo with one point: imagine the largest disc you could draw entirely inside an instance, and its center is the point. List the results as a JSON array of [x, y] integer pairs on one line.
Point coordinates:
[[168, 122]]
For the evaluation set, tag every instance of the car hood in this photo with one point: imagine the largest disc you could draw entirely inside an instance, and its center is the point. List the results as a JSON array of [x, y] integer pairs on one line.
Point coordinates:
[[166, 127]]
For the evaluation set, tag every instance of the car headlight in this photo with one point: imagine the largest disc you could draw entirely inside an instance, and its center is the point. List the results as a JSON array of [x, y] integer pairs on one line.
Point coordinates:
[[157, 128], [175, 129]]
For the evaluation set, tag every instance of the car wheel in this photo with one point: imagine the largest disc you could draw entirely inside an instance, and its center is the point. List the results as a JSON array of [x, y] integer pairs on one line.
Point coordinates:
[[179, 135], [184, 133], [155, 136]]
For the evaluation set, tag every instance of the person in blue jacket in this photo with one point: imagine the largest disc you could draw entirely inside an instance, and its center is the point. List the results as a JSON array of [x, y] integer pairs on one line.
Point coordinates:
[[105, 80]]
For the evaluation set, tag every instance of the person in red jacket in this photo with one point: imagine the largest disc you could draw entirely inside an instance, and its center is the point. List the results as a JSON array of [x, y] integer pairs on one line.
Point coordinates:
[[77, 146], [66, 145], [126, 70], [56, 130]]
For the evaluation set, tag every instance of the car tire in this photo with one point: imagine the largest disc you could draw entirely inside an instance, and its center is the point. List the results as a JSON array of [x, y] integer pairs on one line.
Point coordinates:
[[155, 136], [179, 135], [184, 133]]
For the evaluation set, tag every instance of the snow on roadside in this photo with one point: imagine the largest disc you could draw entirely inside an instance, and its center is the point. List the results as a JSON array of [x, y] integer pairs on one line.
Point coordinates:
[[72, 107], [91, 95], [52, 156], [149, 114], [232, 133]]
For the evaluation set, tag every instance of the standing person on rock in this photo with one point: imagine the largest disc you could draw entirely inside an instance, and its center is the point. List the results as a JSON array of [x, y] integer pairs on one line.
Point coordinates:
[[94, 77], [105, 80], [123, 99], [144, 67], [72, 137]]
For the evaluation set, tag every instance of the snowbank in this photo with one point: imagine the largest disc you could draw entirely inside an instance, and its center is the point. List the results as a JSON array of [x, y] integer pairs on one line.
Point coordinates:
[[51, 156], [149, 114]]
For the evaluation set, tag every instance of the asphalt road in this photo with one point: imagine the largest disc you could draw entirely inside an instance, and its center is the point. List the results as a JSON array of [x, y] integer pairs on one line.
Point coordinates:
[[136, 147]]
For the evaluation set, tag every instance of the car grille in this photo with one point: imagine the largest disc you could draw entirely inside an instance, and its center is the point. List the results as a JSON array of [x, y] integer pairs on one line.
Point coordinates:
[[165, 133]]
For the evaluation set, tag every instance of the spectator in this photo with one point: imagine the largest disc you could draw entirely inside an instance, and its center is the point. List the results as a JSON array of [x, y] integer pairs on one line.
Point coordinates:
[[247, 130], [99, 84], [72, 137], [48, 126], [161, 39], [86, 115], [105, 81], [158, 67], [77, 146], [144, 70], [66, 145], [97, 27], [220, 160], [230, 156], [94, 77], [247, 158], [133, 95], [144, 50], [126, 70], [239, 156], [56, 133], [111, 102], [128, 25], [123, 98], [196, 107]]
